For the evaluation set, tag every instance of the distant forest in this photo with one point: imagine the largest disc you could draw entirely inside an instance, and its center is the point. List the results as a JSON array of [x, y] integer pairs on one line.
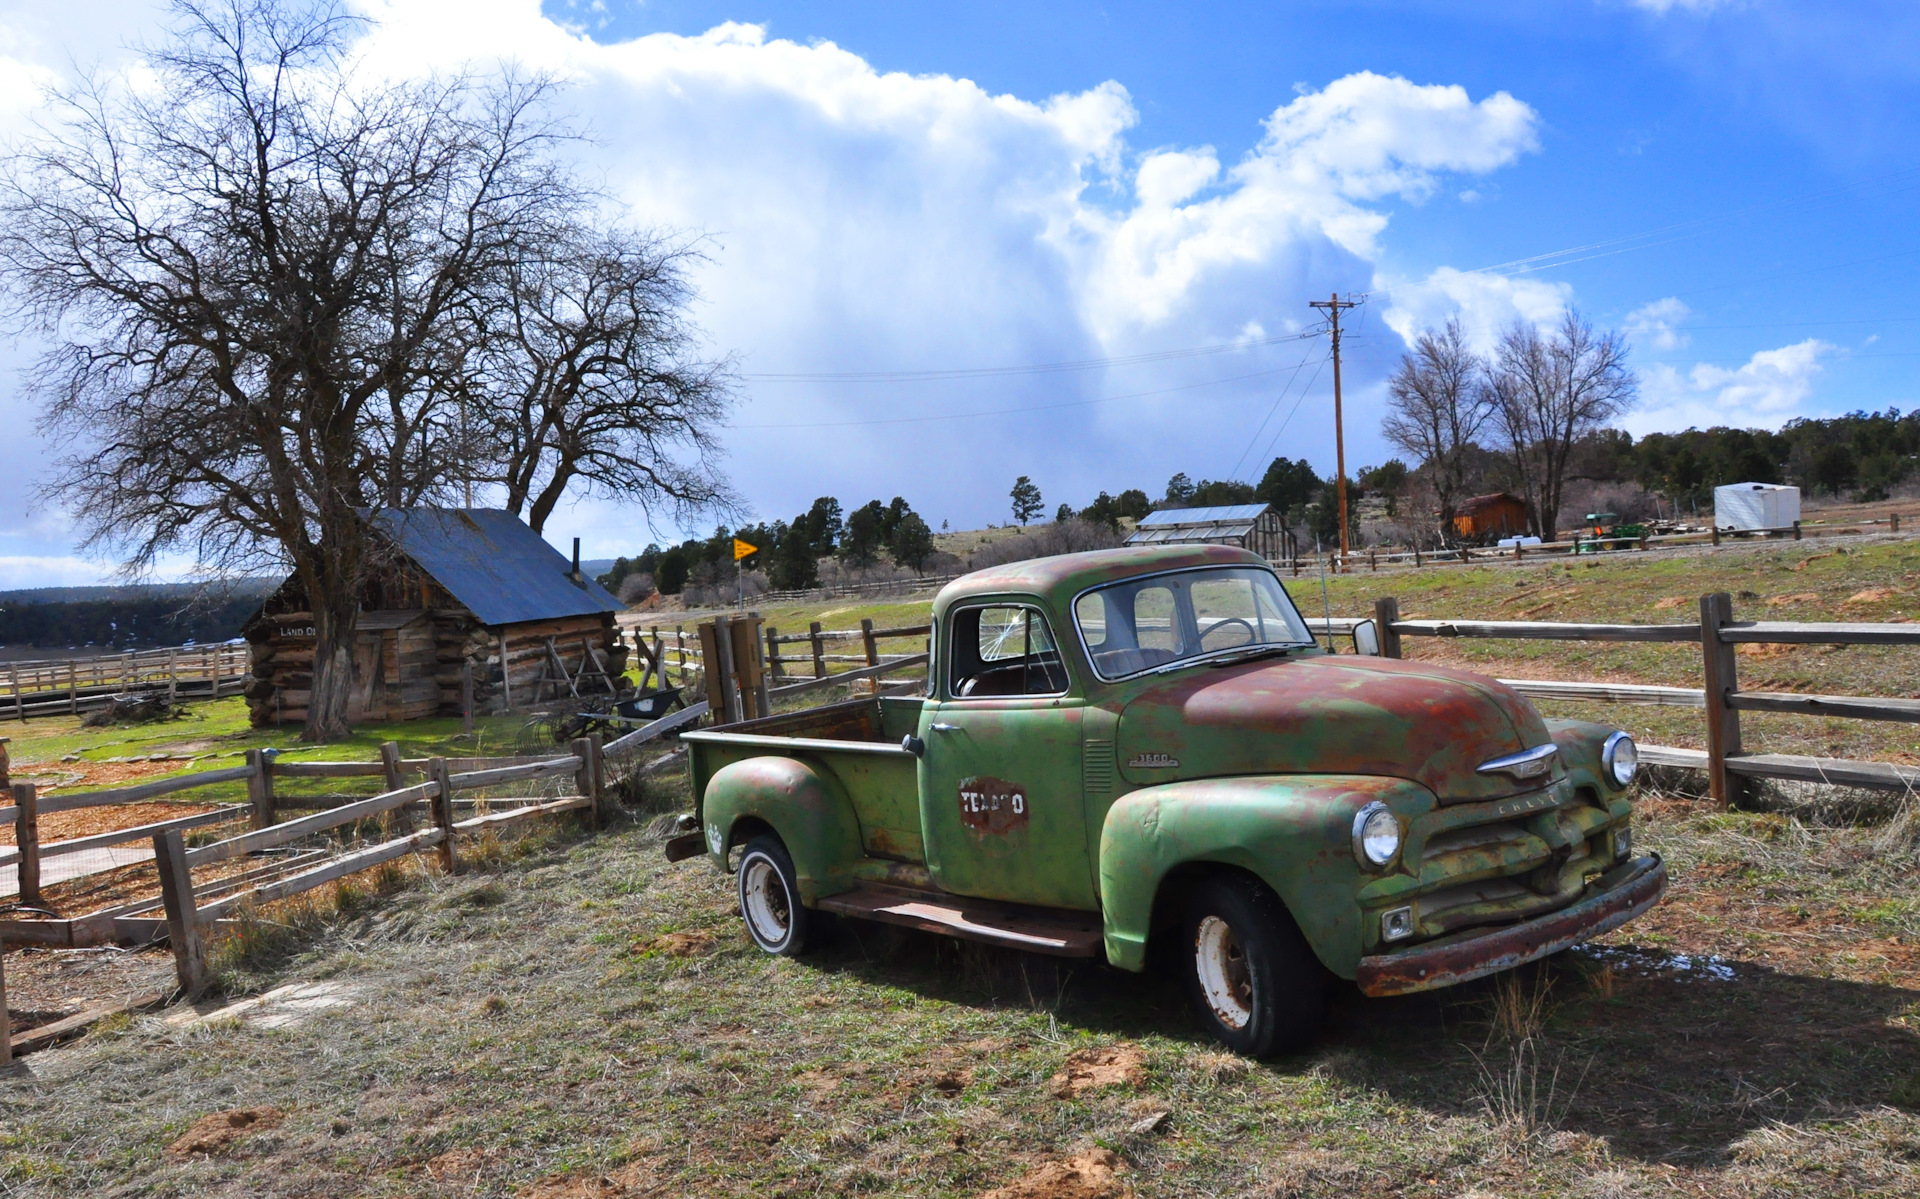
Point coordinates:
[[124, 617]]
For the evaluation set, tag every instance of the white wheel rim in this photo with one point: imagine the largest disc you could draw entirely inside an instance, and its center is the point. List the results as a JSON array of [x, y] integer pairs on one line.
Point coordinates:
[[1221, 965], [763, 896]]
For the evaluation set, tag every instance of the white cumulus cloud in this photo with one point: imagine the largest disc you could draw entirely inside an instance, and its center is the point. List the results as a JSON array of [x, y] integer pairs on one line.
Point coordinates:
[[1767, 391], [1657, 324], [859, 219], [1486, 304]]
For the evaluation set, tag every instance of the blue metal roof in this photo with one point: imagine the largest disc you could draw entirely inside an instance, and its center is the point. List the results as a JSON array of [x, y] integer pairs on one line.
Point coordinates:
[[1224, 514], [493, 563]]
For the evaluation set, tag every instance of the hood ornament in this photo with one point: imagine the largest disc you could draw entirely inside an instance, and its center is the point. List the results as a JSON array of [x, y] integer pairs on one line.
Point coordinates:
[[1527, 764]]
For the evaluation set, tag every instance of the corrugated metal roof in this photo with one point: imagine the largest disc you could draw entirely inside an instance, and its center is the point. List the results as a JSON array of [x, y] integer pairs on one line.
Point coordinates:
[[1204, 516], [493, 563], [1177, 534]]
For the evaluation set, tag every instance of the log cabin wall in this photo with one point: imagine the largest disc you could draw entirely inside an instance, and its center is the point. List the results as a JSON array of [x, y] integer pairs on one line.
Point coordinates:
[[421, 663]]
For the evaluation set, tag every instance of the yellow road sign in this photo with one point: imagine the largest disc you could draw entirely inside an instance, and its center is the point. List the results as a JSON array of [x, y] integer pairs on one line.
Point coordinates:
[[741, 549]]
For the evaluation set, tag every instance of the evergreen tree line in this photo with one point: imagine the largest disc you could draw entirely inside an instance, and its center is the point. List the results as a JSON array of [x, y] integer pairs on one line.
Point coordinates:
[[124, 623], [1862, 454], [789, 552]]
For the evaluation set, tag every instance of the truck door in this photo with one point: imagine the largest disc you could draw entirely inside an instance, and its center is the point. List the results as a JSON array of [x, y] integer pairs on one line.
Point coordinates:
[[1000, 784]]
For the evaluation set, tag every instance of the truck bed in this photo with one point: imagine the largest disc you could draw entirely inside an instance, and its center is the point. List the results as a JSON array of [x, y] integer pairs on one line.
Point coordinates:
[[858, 741]]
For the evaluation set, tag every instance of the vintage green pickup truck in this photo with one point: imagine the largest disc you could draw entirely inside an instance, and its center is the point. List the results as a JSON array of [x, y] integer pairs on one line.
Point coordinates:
[[1143, 755]]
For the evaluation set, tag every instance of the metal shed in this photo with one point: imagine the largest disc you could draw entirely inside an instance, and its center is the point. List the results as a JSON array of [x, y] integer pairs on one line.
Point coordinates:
[[470, 605], [1250, 526]]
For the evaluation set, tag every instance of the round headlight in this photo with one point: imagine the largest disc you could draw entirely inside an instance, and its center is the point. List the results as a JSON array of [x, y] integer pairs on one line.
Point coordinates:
[[1376, 835], [1621, 759]]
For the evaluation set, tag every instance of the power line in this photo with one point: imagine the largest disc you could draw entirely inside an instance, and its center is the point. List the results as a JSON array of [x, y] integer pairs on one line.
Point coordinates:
[[1277, 401], [913, 420], [1044, 368]]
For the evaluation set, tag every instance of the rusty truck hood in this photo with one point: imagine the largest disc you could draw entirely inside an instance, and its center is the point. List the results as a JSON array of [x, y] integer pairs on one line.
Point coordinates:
[[1329, 714]]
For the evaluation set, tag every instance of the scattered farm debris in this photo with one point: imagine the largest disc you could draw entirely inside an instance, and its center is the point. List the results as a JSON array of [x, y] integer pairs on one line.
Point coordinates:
[[135, 708], [1090, 1175], [1091, 1069], [217, 1132]]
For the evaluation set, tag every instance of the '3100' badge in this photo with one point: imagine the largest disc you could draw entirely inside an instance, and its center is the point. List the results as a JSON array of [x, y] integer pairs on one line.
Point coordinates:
[[991, 805]]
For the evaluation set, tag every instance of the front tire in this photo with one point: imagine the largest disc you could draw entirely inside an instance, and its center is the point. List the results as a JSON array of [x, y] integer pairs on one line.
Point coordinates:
[[1253, 980], [770, 900]]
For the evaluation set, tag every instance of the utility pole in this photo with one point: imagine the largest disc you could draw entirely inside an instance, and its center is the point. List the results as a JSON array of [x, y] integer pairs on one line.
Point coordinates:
[[1333, 305]]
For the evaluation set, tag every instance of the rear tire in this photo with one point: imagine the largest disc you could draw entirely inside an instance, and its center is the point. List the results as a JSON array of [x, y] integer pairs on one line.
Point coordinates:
[[1253, 980], [770, 900]]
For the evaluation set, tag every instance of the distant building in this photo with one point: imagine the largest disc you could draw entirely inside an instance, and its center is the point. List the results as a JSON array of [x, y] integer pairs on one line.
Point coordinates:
[[464, 592], [1487, 518], [1249, 526]]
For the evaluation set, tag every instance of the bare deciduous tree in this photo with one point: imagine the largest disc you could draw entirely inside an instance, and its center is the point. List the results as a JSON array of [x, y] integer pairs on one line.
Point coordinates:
[[253, 269], [1552, 391], [1438, 401], [589, 372]]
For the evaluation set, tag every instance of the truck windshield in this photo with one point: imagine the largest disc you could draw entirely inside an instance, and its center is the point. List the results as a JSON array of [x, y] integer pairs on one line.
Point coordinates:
[[1143, 623]]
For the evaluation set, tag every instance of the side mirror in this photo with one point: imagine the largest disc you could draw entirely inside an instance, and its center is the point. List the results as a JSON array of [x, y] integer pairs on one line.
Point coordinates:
[[1366, 639]]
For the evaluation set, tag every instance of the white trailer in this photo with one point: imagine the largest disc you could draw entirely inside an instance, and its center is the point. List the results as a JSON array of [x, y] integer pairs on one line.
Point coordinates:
[[1755, 506]]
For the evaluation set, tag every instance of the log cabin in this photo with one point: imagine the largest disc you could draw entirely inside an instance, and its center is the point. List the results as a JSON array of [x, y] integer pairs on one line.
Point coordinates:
[[464, 597]]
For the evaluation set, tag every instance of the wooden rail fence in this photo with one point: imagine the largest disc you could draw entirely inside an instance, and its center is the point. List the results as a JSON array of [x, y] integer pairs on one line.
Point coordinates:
[[1374, 559], [75, 685], [1725, 761]]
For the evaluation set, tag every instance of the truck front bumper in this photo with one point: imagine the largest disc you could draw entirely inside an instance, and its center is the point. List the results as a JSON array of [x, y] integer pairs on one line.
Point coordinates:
[[1614, 898]]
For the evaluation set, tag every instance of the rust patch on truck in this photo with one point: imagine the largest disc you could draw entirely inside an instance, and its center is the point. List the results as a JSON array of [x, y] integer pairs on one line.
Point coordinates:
[[992, 806]]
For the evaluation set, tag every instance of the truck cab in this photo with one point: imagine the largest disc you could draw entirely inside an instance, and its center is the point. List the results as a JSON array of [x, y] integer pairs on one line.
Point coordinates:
[[1141, 749]]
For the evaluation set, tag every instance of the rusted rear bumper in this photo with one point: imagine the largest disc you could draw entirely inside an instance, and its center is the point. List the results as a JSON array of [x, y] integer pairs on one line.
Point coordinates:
[[1615, 898]]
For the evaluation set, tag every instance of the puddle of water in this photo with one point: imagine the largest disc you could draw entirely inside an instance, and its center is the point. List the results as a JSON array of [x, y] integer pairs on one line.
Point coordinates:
[[1656, 963]]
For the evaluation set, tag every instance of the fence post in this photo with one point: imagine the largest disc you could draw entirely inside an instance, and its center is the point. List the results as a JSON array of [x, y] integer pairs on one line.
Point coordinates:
[[819, 650], [1796, 530], [183, 922], [1386, 610], [73, 680], [6, 1021], [873, 646], [1416, 555], [587, 777], [260, 788], [390, 762], [441, 809], [26, 838], [774, 664], [173, 675], [1894, 519], [1721, 679], [1716, 532], [716, 657]]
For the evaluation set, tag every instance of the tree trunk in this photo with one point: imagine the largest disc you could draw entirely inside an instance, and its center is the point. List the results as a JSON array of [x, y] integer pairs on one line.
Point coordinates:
[[333, 625]]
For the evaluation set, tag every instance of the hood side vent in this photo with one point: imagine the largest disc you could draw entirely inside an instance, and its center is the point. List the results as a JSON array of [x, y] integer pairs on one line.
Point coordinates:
[[1096, 770]]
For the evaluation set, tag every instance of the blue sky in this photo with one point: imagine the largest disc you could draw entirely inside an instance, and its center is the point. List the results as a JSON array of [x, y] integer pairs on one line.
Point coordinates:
[[921, 188]]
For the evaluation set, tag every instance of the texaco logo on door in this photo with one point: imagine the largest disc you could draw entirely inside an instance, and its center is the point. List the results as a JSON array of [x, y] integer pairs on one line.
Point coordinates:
[[991, 805]]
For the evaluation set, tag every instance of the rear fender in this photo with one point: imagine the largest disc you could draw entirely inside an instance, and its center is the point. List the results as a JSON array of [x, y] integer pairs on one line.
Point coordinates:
[[802, 802], [1294, 832]]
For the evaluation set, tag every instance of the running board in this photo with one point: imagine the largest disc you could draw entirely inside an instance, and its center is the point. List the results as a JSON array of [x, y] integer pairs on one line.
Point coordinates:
[[1037, 930]]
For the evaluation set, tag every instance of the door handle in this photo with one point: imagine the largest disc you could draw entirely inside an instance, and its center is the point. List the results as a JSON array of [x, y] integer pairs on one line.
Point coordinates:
[[939, 727]]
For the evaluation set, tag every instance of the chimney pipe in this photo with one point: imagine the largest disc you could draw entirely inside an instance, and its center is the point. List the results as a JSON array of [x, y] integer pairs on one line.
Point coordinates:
[[576, 560]]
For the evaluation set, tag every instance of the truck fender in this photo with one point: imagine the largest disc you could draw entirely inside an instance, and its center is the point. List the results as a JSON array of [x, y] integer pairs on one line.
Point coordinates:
[[802, 802], [1293, 832]]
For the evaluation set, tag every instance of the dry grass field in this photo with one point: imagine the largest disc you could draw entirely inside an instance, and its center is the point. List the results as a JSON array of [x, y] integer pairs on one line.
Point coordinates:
[[574, 1017]]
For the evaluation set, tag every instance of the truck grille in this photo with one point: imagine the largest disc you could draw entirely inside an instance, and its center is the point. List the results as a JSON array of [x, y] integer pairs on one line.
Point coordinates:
[[1508, 869]]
